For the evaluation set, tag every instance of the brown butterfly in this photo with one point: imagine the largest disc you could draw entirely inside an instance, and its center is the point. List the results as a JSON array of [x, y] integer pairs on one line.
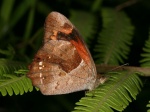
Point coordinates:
[[63, 64]]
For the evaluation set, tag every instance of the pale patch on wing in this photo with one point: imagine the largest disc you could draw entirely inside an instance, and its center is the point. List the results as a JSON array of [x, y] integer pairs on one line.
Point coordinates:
[[40, 63]]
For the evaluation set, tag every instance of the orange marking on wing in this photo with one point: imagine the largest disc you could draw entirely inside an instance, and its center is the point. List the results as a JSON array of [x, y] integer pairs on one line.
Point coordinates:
[[82, 50]]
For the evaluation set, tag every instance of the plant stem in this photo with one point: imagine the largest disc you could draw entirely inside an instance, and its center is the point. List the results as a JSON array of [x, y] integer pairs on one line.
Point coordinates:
[[144, 71]]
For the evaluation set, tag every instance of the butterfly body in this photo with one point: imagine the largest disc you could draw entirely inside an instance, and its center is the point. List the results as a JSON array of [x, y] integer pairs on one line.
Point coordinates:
[[63, 64]]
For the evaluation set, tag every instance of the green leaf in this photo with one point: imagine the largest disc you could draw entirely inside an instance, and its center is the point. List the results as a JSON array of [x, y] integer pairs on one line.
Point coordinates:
[[13, 80], [6, 9], [96, 5], [148, 105], [9, 53], [9, 66], [145, 61], [115, 93], [30, 22], [19, 12], [115, 38], [15, 85]]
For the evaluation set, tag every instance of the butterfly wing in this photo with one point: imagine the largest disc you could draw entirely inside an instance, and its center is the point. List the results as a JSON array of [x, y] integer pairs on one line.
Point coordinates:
[[63, 64]]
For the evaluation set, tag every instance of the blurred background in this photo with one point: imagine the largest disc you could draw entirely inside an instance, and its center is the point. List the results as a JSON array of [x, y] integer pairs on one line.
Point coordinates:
[[21, 34]]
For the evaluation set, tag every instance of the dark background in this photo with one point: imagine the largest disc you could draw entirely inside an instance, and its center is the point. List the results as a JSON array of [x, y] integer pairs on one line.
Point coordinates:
[[23, 41]]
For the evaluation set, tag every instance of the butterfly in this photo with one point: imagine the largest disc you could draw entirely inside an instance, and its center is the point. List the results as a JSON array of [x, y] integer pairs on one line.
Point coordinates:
[[63, 64]]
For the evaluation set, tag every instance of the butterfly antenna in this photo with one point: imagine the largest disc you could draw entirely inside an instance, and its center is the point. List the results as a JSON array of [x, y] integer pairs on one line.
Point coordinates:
[[126, 64]]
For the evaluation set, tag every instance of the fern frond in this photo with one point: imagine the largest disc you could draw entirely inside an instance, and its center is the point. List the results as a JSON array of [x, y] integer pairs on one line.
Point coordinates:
[[12, 80], [9, 66], [116, 94], [148, 105], [9, 52], [13, 84], [145, 62], [115, 38]]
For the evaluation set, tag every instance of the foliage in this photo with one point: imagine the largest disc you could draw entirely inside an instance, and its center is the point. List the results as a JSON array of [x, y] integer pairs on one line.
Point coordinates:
[[115, 32], [145, 62], [11, 81], [114, 45], [148, 105], [114, 94]]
